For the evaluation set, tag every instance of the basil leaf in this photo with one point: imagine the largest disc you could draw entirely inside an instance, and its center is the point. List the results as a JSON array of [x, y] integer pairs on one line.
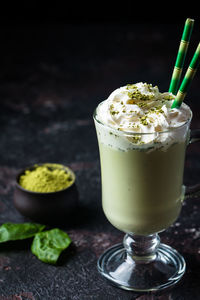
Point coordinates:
[[15, 231], [48, 245]]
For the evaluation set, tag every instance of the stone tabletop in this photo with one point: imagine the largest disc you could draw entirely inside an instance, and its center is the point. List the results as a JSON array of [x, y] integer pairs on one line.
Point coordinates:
[[52, 76]]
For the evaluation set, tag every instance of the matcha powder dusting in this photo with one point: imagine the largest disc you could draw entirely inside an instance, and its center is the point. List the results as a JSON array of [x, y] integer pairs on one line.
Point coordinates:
[[46, 178]]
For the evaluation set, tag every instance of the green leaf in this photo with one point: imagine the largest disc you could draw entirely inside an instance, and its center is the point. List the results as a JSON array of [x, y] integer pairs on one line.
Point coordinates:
[[14, 231], [48, 245]]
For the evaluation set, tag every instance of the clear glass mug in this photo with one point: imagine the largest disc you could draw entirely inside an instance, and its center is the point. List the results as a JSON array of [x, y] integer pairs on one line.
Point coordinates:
[[142, 195]]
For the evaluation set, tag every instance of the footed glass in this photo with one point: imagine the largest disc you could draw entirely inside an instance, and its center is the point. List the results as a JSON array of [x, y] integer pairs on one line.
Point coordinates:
[[142, 195], [142, 263]]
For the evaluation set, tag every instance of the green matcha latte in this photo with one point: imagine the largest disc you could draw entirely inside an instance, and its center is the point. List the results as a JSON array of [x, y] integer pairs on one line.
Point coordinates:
[[142, 144]]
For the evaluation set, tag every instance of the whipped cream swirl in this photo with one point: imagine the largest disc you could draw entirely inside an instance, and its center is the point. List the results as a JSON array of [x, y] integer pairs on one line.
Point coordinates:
[[141, 108]]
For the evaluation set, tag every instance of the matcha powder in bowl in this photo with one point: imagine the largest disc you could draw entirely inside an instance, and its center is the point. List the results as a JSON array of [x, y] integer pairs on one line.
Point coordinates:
[[46, 178], [46, 193]]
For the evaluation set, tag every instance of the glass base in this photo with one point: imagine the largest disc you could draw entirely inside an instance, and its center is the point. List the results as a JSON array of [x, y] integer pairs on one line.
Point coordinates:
[[126, 272]]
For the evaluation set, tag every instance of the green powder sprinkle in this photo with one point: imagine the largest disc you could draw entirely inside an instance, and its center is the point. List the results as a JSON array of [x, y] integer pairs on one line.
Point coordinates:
[[134, 93], [143, 120]]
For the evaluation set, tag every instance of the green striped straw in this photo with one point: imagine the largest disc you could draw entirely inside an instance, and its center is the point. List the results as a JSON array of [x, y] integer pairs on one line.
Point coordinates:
[[176, 75], [187, 79]]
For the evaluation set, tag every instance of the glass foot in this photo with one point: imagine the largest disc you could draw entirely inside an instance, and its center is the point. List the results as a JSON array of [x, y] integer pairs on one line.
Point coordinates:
[[160, 271]]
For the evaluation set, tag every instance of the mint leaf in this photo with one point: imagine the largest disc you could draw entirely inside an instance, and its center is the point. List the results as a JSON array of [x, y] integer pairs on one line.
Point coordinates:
[[48, 245], [15, 231]]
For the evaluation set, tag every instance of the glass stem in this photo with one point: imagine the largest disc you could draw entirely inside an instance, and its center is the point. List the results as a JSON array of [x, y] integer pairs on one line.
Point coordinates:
[[142, 249]]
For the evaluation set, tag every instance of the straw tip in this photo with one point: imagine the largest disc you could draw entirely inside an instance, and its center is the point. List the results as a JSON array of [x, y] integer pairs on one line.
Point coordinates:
[[189, 21]]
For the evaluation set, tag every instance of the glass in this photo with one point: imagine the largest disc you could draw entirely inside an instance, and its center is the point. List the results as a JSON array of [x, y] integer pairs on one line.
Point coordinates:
[[142, 195]]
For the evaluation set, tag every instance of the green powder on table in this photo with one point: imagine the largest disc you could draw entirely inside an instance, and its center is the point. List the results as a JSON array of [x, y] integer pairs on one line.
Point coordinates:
[[46, 178]]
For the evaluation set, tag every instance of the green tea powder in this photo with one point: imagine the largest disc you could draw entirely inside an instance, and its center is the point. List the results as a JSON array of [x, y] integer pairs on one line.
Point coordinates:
[[46, 179]]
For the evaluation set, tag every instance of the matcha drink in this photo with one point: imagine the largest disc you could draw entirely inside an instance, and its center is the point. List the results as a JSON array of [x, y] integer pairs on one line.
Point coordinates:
[[142, 144]]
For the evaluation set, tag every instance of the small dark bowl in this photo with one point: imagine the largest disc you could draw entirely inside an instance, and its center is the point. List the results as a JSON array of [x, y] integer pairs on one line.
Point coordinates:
[[51, 208]]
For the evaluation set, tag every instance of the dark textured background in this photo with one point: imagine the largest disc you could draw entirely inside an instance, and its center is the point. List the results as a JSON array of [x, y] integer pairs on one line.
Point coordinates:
[[54, 70]]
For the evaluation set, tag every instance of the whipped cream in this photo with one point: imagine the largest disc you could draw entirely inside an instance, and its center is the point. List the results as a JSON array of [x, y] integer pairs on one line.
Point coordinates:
[[140, 108]]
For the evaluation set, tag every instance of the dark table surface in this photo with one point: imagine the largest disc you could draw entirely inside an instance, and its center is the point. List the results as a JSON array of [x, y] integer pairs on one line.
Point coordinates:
[[51, 79]]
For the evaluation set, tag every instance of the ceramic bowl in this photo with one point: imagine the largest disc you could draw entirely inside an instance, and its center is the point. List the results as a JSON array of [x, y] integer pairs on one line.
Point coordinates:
[[49, 207]]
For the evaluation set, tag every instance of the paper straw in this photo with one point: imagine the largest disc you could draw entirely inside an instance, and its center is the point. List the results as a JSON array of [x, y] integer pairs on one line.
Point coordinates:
[[187, 79], [176, 75]]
